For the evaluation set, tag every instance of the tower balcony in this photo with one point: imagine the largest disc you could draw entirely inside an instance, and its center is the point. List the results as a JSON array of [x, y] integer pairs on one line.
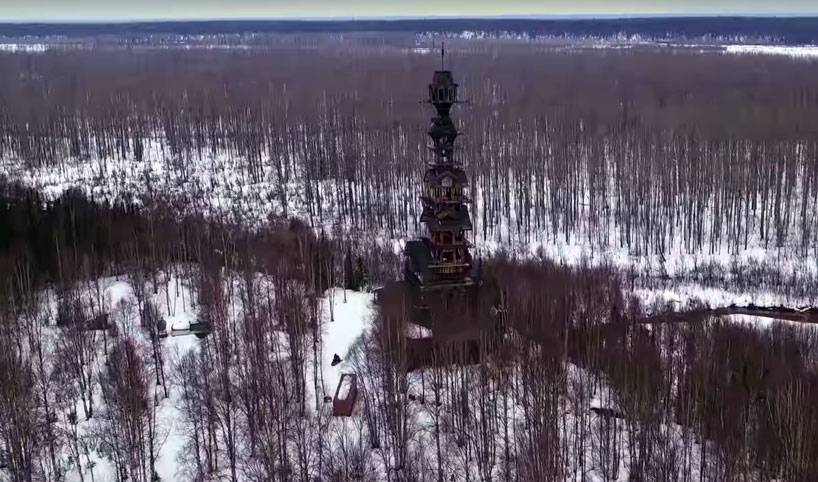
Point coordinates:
[[429, 267], [445, 199], [448, 147], [457, 245], [442, 94], [443, 158], [449, 239], [451, 255], [439, 268], [450, 269], [451, 217], [443, 89], [445, 183]]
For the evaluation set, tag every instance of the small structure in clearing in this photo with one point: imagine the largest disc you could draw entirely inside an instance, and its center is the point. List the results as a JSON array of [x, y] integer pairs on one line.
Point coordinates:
[[345, 395]]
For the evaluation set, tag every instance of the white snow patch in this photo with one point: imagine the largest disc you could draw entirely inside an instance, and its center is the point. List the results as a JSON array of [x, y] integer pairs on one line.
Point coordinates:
[[763, 322], [416, 332], [351, 316], [685, 294], [118, 292], [23, 47], [798, 52]]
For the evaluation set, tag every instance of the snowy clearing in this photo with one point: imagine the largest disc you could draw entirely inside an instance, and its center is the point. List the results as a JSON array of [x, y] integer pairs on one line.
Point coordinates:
[[802, 52]]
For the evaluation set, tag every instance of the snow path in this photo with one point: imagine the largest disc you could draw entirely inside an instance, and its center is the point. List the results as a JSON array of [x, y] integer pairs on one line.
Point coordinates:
[[688, 294], [801, 52], [352, 318]]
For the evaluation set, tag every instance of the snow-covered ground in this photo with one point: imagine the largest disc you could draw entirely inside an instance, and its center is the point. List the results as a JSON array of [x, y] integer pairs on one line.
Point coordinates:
[[174, 301], [763, 323], [351, 315], [691, 294], [804, 52], [24, 47], [220, 186], [347, 315]]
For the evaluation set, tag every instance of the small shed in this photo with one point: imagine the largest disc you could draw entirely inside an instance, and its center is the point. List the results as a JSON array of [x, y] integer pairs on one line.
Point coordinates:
[[345, 395], [98, 322]]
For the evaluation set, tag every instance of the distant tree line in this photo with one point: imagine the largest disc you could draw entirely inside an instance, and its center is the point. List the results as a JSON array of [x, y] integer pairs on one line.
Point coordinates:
[[792, 30]]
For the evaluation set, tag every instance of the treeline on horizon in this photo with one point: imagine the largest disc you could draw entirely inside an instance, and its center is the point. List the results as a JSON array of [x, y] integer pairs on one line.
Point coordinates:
[[786, 30], [653, 150]]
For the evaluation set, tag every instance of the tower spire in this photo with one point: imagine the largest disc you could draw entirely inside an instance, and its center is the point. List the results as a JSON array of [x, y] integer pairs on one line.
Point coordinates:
[[442, 55]]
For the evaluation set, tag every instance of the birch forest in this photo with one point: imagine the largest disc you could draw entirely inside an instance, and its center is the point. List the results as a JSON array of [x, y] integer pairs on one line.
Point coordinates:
[[264, 185]]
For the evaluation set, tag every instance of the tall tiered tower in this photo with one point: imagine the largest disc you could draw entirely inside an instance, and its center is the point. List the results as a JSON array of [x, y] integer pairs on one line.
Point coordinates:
[[440, 290], [442, 258]]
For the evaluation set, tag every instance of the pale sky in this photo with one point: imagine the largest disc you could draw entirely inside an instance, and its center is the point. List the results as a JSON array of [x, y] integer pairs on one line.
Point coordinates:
[[125, 10]]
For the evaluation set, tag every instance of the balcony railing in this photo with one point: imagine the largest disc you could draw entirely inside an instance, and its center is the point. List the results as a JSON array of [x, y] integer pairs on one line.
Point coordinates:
[[449, 268], [454, 243]]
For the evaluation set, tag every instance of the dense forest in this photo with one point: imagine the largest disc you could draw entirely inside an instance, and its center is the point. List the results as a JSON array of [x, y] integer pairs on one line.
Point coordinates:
[[637, 152], [574, 385], [264, 189]]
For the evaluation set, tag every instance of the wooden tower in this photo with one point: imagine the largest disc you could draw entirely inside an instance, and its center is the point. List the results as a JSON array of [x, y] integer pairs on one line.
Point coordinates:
[[442, 258]]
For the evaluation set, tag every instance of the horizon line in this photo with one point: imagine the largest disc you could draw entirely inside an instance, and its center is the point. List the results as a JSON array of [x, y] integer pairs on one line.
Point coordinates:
[[388, 18]]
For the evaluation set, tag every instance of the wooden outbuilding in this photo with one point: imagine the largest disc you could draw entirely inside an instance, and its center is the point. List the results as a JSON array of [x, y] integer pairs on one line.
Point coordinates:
[[343, 404]]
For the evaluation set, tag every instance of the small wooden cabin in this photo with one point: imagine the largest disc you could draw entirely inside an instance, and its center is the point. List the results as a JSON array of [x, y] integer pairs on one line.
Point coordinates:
[[345, 395]]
